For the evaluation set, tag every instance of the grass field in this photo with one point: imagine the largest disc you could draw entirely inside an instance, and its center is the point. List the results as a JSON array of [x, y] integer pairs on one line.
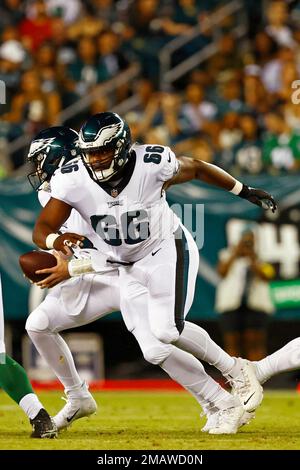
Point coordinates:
[[141, 420]]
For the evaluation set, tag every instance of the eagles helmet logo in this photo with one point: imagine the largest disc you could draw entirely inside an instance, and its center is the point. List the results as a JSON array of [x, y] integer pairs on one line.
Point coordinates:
[[39, 145], [105, 135]]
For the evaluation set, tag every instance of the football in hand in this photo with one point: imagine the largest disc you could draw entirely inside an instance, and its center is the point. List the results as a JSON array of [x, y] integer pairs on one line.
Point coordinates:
[[35, 260]]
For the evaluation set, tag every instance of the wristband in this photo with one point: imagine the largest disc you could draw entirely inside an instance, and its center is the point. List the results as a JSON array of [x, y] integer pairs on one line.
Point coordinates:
[[246, 192], [237, 188], [76, 267], [50, 239]]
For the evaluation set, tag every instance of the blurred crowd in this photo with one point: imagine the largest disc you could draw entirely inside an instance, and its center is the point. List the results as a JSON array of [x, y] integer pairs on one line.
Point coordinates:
[[235, 110]]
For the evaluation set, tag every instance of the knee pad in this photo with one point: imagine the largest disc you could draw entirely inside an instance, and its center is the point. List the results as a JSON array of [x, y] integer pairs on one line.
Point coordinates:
[[157, 354], [166, 335], [37, 321]]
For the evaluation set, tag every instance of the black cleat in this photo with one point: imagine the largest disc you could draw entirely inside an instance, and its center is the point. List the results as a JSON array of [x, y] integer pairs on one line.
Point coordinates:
[[43, 427]]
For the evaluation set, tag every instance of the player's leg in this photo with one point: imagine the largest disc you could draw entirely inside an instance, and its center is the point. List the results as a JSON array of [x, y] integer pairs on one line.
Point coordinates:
[[15, 382], [53, 316], [179, 365], [171, 276], [285, 359], [197, 341]]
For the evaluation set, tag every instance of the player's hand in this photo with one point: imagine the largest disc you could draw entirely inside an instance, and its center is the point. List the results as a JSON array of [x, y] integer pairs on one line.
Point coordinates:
[[68, 240], [259, 197], [57, 274]]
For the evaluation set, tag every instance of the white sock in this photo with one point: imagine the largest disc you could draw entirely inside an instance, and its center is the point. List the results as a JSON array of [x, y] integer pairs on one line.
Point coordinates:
[[56, 352], [189, 372], [31, 405], [78, 391], [197, 341], [283, 360]]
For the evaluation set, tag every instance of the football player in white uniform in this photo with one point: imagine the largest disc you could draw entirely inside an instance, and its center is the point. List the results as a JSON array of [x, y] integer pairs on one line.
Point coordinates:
[[130, 220], [76, 301], [120, 192]]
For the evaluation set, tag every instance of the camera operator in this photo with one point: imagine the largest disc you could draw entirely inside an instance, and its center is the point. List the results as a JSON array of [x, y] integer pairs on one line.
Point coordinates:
[[243, 299]]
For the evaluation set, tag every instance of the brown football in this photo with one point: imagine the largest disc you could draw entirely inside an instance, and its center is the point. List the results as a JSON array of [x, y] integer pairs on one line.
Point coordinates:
[[34, 260]]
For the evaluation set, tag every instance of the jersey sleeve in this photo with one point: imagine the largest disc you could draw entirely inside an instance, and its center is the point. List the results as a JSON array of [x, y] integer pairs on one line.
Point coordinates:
[[62, 188], [43, 197], [169, 165]]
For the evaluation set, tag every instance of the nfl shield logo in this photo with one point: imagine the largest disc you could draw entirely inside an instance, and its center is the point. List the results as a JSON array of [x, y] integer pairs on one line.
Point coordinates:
[[114, 193]]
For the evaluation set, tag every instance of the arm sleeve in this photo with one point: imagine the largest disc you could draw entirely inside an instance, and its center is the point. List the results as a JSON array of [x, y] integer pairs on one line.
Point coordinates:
[[169, 166]]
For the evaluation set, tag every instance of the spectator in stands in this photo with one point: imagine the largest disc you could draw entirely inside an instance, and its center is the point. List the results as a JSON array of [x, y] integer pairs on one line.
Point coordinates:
[[281, 145], [163, 112], [84, 70], [49, 70], [229, 98], [64, 47], [243, 299], [32, 107], [12, 55], [227, 57], [230, 135], [69, 10], [196, 110], [266, 56], [257, 101], [86, 25], [265, 48], [247, 154], [11, 12], [277, 23], [38, 29], [111, 59], [144, 36], [144, 90], [109, 12], [289, 74]]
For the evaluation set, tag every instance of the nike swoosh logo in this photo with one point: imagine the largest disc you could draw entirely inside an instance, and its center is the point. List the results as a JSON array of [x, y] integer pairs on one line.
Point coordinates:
[[169, 158], [245, 402], [154, 252], [73, 416]]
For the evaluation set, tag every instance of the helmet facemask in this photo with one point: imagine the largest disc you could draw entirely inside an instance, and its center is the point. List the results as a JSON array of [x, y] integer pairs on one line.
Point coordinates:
[[43, 169], [119, 157]]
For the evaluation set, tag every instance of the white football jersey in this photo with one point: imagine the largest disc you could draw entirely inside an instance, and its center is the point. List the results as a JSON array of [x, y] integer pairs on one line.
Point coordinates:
[[131, 218]]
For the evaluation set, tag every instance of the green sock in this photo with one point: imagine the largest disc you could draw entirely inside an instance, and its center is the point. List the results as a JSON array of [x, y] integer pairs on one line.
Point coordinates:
[[14, 380]]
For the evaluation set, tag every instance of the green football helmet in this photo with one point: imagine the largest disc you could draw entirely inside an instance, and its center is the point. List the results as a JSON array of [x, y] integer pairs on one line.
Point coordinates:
[[50, 149], [105, 136]]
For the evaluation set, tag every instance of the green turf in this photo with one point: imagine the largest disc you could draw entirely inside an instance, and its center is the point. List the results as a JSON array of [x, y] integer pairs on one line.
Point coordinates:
[[131, 420]]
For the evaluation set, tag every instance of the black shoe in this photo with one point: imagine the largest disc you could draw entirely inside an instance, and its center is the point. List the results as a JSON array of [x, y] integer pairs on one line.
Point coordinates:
[[43, 426]]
